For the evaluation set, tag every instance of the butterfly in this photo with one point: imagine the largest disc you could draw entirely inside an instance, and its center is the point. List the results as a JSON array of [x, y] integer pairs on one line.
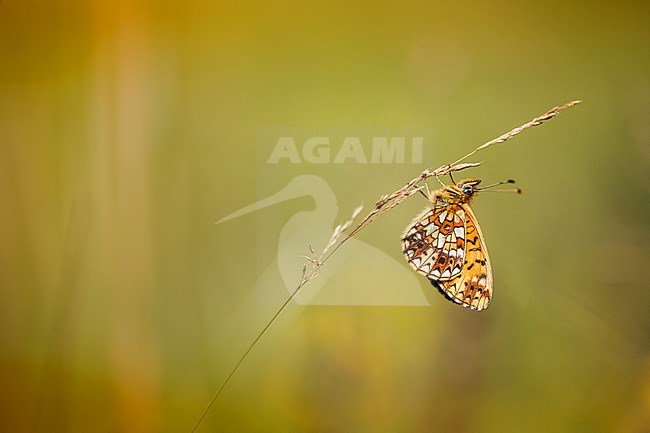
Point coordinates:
[[445, 244]]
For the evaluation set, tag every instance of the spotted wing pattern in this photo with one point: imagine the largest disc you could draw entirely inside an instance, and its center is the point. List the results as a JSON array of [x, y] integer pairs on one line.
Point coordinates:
[[434, 243], [472, 288]]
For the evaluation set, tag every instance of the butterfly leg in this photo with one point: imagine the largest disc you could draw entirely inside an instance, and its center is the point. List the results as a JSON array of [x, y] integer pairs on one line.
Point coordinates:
[[431, 196], [428, 195]]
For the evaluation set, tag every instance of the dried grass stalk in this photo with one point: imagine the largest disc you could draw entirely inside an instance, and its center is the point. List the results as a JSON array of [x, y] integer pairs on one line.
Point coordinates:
[[385, 203]]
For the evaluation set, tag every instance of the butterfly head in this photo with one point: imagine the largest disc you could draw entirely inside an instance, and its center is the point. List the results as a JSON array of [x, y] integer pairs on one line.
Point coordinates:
[[468, 187], [464, 190]]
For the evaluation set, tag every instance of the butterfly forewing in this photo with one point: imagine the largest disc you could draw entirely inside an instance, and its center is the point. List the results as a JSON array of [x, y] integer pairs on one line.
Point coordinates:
[[472, 287], [434, 243]]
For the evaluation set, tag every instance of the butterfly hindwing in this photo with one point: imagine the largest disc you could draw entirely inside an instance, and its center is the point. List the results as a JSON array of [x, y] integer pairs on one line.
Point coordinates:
[[472, 287]]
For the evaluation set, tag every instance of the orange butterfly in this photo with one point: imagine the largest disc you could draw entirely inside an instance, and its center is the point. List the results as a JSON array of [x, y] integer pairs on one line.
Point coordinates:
[[445, 244]]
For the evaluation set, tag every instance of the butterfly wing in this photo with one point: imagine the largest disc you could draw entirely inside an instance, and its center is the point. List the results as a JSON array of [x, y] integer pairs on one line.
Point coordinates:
[[434, 243], [472, 288]]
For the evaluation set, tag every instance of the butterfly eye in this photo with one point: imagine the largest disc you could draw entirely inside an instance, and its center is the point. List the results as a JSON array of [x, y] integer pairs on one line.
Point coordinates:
[[467, 189]]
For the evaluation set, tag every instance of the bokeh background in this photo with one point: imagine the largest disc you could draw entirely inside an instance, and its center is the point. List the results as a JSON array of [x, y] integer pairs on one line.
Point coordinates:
[[128, 128]]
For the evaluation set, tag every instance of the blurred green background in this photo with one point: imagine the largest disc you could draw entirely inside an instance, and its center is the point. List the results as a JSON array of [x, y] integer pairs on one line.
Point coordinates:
[[128, 128]]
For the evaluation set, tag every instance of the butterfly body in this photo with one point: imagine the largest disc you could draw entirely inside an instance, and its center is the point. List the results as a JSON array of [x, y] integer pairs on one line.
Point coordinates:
[[445, 244]]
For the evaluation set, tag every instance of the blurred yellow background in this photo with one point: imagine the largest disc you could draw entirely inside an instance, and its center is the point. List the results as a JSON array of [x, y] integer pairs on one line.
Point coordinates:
[[128, 128]]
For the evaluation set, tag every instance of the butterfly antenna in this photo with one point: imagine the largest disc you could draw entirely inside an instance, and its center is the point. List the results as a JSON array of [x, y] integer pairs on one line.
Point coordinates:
[[496, 184], [517, 190]]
